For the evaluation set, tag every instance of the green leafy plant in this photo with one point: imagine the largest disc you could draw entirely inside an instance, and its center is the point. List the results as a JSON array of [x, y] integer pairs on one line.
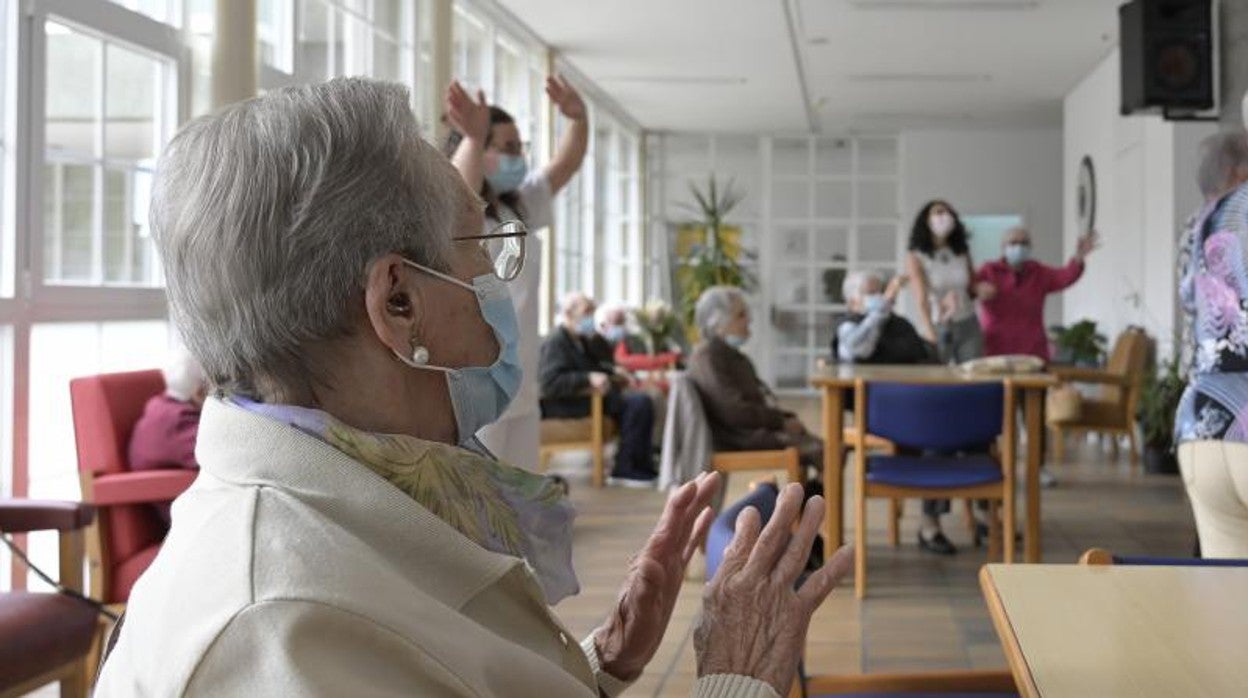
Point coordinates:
[[709, 263], [656, 323], [1080, 343], [1159, 400]]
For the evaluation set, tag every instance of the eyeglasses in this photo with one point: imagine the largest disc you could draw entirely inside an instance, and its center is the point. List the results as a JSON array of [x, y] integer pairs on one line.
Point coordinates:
[[504, 245]]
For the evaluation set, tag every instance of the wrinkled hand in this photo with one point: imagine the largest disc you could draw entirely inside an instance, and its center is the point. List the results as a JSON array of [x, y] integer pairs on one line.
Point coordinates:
[[753, 621], [628, 639], [466, 115], [565, 97], [1087, 244], [985, 291], [894, 287]]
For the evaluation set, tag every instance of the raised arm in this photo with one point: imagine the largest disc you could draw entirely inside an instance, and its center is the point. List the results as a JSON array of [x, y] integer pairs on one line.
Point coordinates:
[[575, 141], [471, 117], [1061, 278], [924, 310]]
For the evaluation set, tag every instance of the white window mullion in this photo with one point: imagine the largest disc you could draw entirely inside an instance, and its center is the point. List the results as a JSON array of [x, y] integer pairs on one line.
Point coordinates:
[[97, 171]]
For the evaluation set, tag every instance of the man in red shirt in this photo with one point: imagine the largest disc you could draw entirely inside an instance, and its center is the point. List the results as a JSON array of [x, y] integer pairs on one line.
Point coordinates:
[[1012, 291]]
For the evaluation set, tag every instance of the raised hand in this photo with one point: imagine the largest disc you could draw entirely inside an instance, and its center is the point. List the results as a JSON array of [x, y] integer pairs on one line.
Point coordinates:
[[565, 97], [1087, 244], [753, 620], [466, 115], [628, 639]]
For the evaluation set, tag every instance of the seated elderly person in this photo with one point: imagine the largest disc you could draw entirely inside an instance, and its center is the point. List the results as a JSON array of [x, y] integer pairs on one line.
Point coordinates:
[[164, 436], [347, 535], [742, 411], [577, 361], [630, 349], [871, 333]]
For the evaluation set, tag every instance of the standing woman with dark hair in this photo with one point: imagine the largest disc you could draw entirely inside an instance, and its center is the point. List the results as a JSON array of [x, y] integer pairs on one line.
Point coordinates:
[[485, 146], [940, 263]]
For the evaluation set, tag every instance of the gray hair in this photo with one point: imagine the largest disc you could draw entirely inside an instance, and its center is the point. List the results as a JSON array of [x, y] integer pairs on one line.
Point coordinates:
[[268, 213], [714, 308], [853, 284], [183, 376], [1220, 156], [573, 300]]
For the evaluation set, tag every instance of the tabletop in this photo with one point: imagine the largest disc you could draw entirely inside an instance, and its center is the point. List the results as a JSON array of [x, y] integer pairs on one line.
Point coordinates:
[[844, 375], [1122, 630]]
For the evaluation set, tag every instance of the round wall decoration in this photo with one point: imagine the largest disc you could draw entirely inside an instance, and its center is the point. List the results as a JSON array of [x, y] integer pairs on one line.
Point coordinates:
[[1085, 195]]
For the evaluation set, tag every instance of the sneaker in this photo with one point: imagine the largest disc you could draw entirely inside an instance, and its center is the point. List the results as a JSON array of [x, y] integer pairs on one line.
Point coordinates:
[[633, 480], [938, 544], [1047, 478]]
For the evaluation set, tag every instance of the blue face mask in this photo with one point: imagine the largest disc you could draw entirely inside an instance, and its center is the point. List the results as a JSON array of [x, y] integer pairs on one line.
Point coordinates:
[[585, 327], [1017, 254], [480, 394], [874, 303], [735, 340], [615, 334], [511, 171]]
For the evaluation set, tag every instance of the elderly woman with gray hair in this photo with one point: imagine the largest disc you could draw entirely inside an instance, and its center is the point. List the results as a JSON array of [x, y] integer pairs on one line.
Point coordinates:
[[346, 534], [741, 409]]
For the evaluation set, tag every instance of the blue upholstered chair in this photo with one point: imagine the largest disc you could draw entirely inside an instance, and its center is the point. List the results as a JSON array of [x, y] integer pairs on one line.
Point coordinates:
[[955, 430], [933, 684]]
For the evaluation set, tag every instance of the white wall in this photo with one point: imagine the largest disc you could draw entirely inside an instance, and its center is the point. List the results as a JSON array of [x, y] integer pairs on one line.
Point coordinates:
[[990, 172], [1145, 190]]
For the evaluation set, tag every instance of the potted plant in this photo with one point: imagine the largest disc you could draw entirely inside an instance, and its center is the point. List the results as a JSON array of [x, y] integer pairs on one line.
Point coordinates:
[[1080, 344], [1159, 400], [710, 263], [656, 323]]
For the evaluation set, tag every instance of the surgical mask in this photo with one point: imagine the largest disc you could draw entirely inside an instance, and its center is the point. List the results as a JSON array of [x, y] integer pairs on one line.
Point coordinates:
[[511, 171], [615, 334], [874, 303], [941, 224], [480, 394], [1017, 254], [585, 327], [735, 340]]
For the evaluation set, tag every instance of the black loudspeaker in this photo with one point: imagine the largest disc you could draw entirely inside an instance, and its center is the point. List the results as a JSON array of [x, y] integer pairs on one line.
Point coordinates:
[[1168, 61]]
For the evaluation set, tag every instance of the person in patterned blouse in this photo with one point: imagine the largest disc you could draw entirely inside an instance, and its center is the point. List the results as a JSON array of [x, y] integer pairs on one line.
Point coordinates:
[[1212, 420]]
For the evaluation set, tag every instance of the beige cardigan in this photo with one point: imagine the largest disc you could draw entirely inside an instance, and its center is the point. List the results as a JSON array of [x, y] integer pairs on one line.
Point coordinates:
[[293, 570]]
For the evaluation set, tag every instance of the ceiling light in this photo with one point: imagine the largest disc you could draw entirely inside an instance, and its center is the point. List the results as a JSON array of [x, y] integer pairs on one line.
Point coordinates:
[[945, 4], [919, 77], [678, 79]]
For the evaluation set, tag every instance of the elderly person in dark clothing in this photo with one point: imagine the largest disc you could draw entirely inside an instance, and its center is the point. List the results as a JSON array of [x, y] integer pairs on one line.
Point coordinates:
[[742, 411], [576, 361], [871, 333]]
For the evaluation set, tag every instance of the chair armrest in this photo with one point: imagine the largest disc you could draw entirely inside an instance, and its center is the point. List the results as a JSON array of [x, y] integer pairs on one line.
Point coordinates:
[[1079, 374], [141, 486], [24, 515]]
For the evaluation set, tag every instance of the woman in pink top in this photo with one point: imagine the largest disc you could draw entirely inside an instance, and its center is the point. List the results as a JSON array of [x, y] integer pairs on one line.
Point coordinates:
[[1012, 290]]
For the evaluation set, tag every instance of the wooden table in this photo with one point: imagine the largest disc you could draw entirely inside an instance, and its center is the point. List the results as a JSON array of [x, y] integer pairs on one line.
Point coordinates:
[[1120, 630], [834, 380]]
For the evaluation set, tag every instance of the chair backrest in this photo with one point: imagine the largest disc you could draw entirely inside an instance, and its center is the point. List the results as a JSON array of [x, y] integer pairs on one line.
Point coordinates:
[[763, 498], [1129, 357], [1100, 556], [105, 409], [935, 417]]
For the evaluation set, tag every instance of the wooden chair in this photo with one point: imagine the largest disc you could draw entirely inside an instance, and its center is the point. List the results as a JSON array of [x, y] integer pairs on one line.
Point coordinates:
[[1113, 410], [999, 682], [46, 637], [1101, 556], [787, 460], [580, 434], [935, 418]]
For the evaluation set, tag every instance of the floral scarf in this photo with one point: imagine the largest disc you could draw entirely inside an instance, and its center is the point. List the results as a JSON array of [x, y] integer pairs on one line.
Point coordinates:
[[500, 507]]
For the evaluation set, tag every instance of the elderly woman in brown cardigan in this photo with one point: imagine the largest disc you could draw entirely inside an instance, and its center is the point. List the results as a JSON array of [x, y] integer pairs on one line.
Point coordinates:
[[741, 409]]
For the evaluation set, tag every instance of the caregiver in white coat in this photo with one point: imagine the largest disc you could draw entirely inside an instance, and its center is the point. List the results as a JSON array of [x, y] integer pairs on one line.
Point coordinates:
[[485, 146]]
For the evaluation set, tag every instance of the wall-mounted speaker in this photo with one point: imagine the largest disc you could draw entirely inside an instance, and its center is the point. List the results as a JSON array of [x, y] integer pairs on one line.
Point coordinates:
[[1169, 56]]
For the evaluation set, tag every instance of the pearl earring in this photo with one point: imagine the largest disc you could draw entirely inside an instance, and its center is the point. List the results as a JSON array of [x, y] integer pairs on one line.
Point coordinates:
[[420, 355]]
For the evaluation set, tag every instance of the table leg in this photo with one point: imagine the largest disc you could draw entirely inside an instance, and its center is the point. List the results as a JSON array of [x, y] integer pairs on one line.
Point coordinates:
[[1035, 456], [833, 479]]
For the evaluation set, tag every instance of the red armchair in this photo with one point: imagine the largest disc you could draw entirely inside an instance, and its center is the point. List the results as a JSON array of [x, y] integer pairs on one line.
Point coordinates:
[[45, 637], [129, 531]]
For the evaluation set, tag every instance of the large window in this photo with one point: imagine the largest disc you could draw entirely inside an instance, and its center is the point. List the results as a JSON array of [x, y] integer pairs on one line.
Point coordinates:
[[106, 118]]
